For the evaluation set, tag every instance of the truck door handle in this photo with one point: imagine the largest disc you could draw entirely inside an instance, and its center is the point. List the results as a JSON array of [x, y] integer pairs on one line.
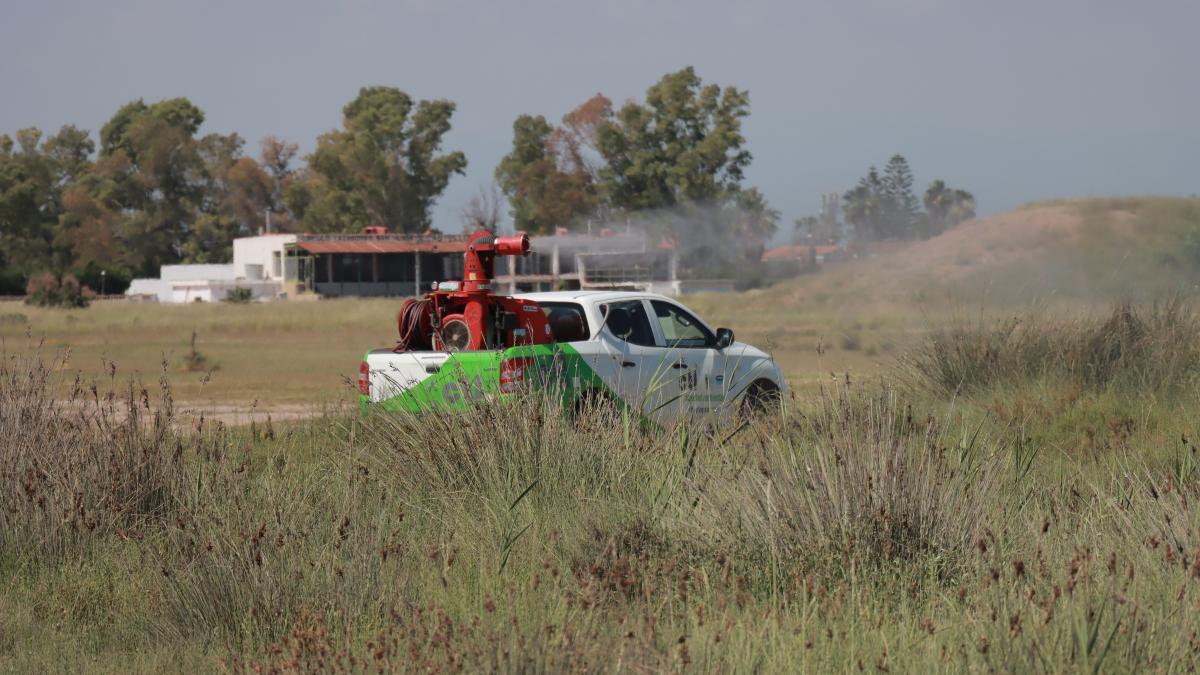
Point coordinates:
[[679, 364], [628, 364]]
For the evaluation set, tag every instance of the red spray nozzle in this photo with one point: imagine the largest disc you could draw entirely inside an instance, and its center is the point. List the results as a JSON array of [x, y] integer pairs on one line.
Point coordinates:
[[518, 245]]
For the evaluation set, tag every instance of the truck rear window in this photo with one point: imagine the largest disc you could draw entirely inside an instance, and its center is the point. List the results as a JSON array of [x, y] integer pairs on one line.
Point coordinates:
[[567, 321]]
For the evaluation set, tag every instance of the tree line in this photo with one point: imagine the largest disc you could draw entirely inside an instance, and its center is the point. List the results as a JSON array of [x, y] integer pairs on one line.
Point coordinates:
[[155, 191], [672, 164], [151, 189], [884, 206]]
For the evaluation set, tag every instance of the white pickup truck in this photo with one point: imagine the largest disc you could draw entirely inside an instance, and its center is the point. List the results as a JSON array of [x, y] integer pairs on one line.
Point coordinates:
[[644, 351]]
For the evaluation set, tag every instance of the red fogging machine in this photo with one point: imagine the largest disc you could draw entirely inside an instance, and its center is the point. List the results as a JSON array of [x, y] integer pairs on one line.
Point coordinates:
[[464, 315]]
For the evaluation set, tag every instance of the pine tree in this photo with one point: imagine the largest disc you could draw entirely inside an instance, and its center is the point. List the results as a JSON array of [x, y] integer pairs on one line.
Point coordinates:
[[901, 210]]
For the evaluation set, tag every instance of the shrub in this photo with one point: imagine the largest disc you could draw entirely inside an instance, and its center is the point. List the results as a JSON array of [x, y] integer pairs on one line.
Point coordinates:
[[196, 361], [12, 282], [239, 295], [114, 280], [48, 290]]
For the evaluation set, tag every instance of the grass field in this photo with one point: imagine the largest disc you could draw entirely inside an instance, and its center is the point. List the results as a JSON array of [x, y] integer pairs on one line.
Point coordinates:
[[1061, 256], [1004, 484], [302, 353]]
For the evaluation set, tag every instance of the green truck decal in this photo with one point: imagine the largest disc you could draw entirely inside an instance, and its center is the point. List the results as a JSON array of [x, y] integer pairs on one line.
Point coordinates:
[[469, 377]]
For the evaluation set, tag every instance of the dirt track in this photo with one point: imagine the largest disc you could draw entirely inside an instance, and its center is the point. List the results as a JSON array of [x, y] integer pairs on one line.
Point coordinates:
[[246, 413]]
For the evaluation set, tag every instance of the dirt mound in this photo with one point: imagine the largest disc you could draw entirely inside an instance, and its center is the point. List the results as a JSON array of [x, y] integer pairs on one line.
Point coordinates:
[[1100, 248]]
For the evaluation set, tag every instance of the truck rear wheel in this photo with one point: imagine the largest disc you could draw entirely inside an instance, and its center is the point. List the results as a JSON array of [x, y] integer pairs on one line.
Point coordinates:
[[593, 408]]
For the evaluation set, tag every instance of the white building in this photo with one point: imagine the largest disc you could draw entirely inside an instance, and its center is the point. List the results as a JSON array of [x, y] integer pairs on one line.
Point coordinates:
[[261, 257], [276, 266], [257, 268]]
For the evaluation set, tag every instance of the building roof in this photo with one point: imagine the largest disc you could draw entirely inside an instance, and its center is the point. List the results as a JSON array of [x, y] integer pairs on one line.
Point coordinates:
[[797, 251], [381, 244], [561, 296]]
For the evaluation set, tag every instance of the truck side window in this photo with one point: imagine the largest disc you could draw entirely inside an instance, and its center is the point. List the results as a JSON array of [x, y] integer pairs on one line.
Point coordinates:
[[634, 326], [566, 321], [680, 328]]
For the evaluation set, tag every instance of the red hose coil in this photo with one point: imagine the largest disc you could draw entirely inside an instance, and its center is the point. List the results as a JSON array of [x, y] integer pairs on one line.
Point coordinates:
[[408, 322]]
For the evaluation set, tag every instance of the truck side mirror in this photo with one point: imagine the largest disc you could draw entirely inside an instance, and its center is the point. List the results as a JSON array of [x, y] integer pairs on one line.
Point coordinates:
[[724, 338]]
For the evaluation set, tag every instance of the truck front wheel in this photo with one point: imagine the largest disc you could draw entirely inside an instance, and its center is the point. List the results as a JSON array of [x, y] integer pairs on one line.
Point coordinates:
[[762, 397]]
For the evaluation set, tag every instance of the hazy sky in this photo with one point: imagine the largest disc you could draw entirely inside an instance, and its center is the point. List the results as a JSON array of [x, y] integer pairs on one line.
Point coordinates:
[[1015, 100]]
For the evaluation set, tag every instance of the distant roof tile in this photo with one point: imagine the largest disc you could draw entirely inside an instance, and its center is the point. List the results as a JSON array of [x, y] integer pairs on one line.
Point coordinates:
[[382, 246]]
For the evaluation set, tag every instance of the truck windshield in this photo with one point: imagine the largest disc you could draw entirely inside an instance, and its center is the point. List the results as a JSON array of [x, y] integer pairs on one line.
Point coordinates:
[[567, 321]]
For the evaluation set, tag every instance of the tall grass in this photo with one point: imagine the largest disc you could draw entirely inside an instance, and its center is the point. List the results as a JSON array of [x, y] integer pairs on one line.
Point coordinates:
[[861, 529], [76, 465], [860, 483], [1149, 349]]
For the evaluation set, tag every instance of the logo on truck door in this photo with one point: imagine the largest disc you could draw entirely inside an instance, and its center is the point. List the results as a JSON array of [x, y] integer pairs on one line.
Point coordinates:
[[687, 380]]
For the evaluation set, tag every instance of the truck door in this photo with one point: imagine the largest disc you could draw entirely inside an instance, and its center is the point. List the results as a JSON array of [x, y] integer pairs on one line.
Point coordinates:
[[689, 349], [631, 361]]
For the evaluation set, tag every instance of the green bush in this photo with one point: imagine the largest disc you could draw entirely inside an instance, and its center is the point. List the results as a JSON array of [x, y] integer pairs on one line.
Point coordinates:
[[109, 279], [12, 282], [48, 290], [239, 296]]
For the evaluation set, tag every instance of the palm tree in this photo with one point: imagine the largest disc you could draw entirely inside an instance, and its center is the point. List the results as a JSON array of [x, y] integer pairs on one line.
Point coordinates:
[[947, 206], [864, 206]]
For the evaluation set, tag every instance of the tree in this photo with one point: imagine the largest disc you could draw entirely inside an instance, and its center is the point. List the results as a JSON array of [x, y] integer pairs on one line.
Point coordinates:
[[177, 113], [482, 211], [864, 206], [383, 167], [546, 176], [139, 203], [28, 204], [35, 177], [757, 221], [158, 194], [900, 209], [70, 153], [276, 157], [235, 197], [754, 223], [161, 189], [683, 144], [806, 230], [947, 206]]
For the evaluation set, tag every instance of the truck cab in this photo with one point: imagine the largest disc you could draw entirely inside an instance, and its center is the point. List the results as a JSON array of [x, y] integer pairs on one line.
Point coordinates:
[[646, 351]]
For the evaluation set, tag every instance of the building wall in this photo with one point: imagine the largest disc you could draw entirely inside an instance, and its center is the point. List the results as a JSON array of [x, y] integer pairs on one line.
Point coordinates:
[[264, 250], [216, 291], [184, 293], [197, 272], [150, 288]]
